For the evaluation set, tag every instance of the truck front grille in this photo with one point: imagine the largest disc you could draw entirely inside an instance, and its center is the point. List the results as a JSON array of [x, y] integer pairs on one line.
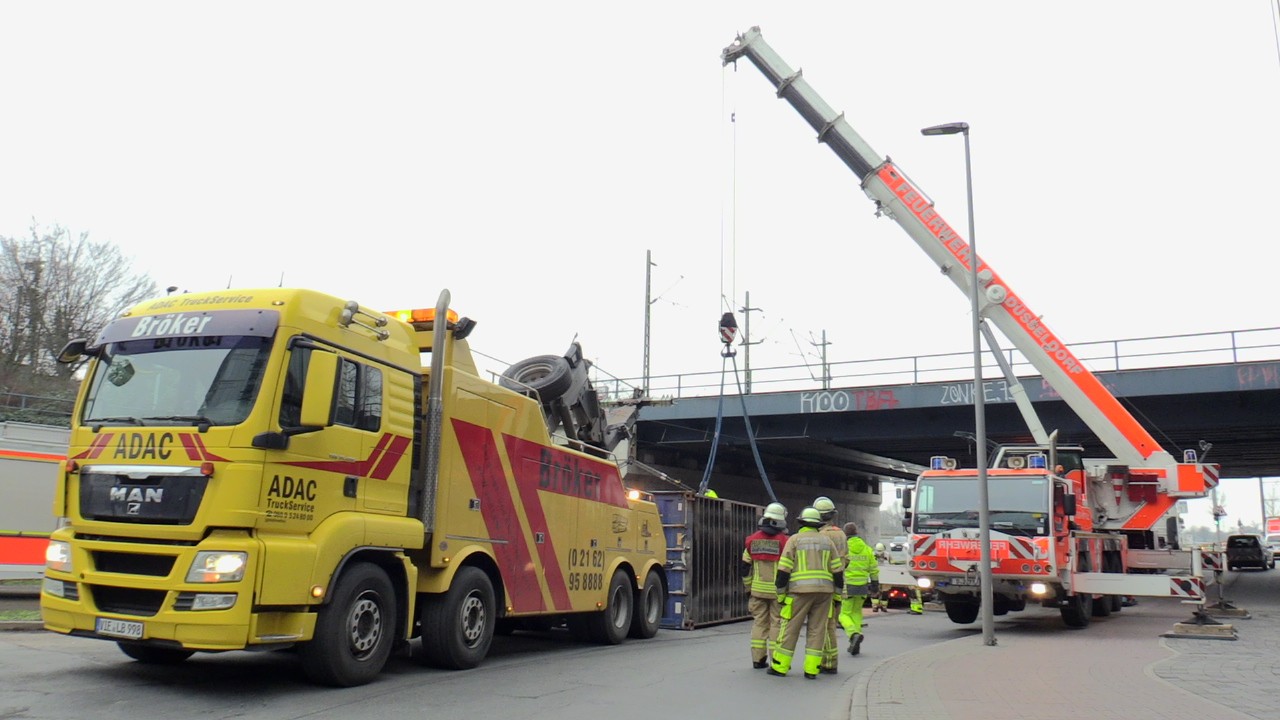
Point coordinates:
[[111, 493], [132, 563], [127, 601]]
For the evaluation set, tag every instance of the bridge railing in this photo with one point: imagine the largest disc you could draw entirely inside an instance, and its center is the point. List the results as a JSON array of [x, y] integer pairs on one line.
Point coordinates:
[[1141, 353]]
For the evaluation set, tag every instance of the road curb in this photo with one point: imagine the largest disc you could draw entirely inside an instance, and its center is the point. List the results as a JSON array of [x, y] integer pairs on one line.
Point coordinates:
[[21, 626]]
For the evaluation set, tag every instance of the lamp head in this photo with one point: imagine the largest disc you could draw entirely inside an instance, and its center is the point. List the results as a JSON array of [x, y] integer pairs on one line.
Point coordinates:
[[946, 129]]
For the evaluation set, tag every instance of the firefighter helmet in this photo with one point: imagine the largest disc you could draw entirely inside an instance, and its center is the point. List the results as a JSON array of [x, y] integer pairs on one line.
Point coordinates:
[[810, 517], [776, 511], [825, 507], [879, 547]]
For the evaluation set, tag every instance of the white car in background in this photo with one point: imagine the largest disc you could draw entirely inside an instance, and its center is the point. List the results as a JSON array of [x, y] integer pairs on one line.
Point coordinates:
[[1273, 543], [897, 550]]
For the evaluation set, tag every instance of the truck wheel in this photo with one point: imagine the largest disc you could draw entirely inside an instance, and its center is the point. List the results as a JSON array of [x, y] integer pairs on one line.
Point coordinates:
[[647, 609], [354, 632], [610, 626], [1000, 605], [1101, 606], [1077, 609], [457, 628], [960, 611], [550, 375], [152, 655]]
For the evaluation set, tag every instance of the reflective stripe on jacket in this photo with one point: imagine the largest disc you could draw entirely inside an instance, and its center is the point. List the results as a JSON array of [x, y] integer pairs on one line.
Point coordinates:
[[811, 559], [838, 539]]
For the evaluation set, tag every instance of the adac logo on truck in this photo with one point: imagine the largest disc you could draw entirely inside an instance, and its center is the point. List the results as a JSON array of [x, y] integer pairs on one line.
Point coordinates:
[[147, 446]]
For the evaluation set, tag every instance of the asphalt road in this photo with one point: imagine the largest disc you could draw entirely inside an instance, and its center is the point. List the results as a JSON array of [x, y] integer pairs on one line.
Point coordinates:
[[706, 671]]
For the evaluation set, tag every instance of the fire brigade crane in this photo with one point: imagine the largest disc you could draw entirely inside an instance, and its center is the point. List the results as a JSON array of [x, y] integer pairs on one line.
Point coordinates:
[[1066, 531]]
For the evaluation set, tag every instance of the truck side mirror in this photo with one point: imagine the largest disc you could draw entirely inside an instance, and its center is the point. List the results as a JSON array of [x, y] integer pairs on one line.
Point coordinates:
[[1069, 504], [73, 351], [317, 394], [906, 498], [906, 520]]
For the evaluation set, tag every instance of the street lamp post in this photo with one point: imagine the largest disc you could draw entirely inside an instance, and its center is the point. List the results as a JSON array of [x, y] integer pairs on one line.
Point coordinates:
[[979, 401]]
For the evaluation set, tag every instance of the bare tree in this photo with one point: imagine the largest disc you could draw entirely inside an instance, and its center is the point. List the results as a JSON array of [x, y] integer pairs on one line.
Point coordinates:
[[55, 287]]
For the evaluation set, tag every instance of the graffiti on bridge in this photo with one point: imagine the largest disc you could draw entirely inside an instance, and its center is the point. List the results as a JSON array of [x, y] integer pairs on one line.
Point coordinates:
[[828, 401], [994, 391], [1258, 377]]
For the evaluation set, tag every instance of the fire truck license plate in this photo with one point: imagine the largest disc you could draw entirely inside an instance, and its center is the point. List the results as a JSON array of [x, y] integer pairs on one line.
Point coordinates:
[[119, 628], [964, 581]]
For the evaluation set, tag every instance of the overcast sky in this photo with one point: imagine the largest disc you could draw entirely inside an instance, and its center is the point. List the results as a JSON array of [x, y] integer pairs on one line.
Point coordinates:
[[526, 155]]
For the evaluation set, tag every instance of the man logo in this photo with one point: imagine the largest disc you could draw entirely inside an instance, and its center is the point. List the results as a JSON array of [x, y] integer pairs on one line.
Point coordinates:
[[137, 495]]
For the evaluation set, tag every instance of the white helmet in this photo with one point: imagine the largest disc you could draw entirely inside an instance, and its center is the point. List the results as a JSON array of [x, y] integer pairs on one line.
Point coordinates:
[[825, 507], [776, 511]]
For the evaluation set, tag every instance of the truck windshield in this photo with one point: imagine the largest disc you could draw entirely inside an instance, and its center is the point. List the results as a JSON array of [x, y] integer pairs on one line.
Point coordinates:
[[1018, 505], [210, 380]]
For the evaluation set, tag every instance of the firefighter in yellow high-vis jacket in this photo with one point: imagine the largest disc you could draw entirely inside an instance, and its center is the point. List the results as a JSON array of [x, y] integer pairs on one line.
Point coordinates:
[[861, 580], [831, 648], [808, 576]]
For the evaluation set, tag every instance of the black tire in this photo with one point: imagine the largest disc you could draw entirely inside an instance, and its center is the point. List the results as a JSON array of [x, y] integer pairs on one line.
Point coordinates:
[[611, 625], [1101, 606], [354, 632], [458, 626], [647, 608], [961, 612], [550, 375], [1076, 610], [152, 655], [1117, 602], [999, 606]]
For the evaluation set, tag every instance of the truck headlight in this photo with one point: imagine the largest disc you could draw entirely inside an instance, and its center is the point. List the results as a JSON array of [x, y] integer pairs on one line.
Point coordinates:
[[924, 583], [1039, 588], [211, 566], [57, 556]]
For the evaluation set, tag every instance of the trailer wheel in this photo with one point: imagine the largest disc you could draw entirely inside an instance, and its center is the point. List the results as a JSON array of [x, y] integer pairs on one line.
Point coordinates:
[[961, 612], [550, 375], [647, 609], [1077, 609], [354, 632], [610, 625], [152, 655], [457, 628]]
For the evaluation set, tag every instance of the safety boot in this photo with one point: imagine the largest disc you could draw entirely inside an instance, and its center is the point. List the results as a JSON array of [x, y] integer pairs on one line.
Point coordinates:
[[855, 643], [759, 664]]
